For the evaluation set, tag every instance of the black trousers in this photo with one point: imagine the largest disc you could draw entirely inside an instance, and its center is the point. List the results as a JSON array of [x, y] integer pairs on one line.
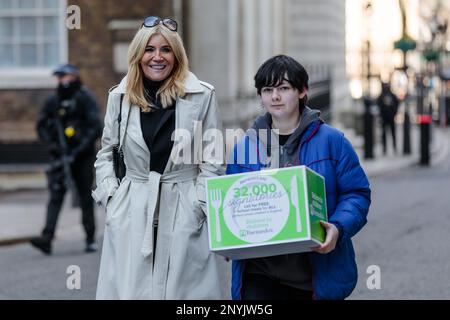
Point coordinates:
[[83, 176], [388, 125], [260, 287]]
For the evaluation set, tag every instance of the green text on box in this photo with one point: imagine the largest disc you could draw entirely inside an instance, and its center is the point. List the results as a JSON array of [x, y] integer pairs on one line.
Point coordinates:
[[265, 213]]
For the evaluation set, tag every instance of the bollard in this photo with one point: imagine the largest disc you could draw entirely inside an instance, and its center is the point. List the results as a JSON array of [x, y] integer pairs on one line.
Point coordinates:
[[425, 124], [424, 120], [368, 128], [406, 129]]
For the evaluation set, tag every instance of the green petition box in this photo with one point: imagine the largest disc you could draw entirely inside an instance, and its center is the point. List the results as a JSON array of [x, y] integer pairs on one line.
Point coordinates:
[[266, 213]]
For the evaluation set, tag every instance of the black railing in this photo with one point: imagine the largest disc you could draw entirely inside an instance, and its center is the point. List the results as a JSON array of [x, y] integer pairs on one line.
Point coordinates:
[[320, 97]]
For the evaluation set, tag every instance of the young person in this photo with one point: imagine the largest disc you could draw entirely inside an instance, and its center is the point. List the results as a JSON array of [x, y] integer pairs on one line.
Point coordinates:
[[302, 138]]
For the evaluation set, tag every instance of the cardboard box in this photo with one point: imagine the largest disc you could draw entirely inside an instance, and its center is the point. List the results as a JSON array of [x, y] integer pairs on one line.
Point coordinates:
[[266, 213]]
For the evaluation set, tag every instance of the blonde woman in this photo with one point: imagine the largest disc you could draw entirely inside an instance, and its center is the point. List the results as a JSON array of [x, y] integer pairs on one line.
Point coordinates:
[[155, 241]]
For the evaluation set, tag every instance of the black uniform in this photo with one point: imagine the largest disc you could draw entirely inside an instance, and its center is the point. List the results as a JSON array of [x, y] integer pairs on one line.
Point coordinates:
[[74, 110]]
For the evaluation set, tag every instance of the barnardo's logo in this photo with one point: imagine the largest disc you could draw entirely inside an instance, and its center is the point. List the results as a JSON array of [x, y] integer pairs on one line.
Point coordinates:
[[245, 233]]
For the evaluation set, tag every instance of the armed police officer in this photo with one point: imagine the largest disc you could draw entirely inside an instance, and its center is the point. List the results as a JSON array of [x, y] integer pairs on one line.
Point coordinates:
[[69, 124]]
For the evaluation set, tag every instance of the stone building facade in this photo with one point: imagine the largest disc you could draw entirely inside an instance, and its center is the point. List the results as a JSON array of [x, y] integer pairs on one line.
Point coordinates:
[[229, 44]]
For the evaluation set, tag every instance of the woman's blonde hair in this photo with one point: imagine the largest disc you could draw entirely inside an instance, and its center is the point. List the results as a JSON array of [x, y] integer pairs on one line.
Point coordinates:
[[173, 86]]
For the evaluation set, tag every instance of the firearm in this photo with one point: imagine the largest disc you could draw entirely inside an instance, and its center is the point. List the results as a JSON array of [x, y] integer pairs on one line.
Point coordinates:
[[64, 163]]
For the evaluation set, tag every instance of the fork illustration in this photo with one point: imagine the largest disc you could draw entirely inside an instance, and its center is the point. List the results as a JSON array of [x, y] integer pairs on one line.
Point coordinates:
[[216, 197]]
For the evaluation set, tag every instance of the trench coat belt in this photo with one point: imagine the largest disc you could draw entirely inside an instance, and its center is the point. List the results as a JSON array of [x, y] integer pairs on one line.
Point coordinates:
[[153, 180]]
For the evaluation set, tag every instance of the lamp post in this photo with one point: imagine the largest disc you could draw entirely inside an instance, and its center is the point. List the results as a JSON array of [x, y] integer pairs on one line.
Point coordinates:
[[368, 116], [405, 44], [432, 55], [441, 30]]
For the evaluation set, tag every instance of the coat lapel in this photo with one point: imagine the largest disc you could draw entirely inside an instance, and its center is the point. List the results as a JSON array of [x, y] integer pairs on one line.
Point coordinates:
[[125, 119], [186, 114], [135, 132]]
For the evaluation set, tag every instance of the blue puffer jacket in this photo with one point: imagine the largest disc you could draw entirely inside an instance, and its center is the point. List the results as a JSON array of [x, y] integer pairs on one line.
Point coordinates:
[[326, 151]]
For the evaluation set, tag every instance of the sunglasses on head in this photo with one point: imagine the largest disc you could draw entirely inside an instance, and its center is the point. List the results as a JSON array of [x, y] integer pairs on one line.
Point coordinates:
[[152, 21]]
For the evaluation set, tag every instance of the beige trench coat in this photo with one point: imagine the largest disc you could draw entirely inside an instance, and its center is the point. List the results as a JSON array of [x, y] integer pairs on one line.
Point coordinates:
[[182, 266]]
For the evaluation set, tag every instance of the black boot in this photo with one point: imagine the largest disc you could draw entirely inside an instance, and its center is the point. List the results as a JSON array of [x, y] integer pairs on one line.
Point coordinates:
[[43, 244], [91, 247]]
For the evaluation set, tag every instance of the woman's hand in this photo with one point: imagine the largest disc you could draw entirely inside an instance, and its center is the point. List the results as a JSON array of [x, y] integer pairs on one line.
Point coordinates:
[[332, 236]]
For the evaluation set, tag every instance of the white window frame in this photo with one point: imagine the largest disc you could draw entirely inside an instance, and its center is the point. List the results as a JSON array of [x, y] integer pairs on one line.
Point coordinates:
[[120, 48], [32, 77]]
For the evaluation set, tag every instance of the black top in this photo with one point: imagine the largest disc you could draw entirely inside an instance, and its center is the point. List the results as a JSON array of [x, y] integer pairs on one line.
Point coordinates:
[[283, 139], [157, 127], [388, 104]]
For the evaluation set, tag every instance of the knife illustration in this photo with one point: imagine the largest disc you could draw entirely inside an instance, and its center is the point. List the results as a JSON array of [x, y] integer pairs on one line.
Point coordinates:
[[294, 201]]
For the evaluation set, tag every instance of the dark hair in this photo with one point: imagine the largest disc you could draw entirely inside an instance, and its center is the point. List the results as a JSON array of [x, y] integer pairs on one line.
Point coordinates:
[[274, 71]]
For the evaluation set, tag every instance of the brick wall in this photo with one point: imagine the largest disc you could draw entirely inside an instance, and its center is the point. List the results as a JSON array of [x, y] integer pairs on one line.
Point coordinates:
[[18, 112], [91, 49]]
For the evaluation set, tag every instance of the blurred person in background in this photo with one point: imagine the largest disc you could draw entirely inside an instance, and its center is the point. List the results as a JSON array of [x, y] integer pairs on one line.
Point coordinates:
[[155, 242], [69, 124]]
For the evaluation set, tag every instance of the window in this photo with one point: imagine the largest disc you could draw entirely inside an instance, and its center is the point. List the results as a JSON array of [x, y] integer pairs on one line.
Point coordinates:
[[32, 40], [122, 33]]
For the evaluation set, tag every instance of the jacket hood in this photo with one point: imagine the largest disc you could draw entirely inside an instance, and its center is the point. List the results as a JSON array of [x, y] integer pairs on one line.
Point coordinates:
[[308, 116]]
